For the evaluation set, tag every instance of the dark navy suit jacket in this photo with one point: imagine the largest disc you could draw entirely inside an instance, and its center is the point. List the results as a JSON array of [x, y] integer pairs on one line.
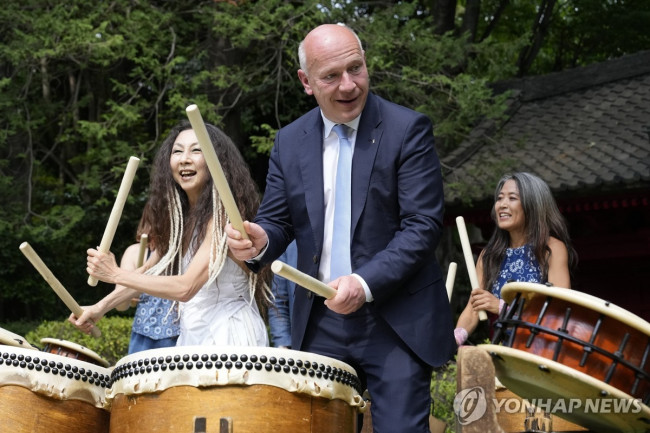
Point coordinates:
[[397, 210]]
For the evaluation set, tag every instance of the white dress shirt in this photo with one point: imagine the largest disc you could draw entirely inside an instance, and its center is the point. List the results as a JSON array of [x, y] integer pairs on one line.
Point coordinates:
[[330, 160]]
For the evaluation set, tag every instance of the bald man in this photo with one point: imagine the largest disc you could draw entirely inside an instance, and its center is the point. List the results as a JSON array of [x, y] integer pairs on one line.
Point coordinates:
[[390, 318]]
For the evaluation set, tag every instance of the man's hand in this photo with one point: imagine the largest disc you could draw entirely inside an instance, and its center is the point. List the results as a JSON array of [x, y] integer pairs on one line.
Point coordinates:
[[349, 297], [245, 249]]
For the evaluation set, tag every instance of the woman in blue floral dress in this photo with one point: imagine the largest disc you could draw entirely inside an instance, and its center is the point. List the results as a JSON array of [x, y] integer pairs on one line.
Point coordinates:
[[530, 243], [156, 320]]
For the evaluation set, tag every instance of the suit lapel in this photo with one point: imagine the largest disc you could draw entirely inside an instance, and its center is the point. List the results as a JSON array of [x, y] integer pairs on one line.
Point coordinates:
[[311, 167], [365, 152]]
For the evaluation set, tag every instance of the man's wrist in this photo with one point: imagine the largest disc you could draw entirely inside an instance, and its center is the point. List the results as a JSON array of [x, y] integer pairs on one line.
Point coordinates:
[[257, 258], [366, 289]]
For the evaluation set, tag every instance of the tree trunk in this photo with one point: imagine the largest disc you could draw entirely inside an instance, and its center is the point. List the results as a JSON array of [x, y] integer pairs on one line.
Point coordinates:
[[45, 80], [495, 19], [470, 19], [540, 30], [444, 13]]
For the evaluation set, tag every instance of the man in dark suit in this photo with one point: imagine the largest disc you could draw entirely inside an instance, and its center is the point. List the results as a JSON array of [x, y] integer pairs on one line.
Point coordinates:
[[390, 318]]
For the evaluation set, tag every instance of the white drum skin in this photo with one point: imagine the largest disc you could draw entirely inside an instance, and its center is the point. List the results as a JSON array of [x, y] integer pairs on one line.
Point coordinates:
[[256, 388], [40, 391]]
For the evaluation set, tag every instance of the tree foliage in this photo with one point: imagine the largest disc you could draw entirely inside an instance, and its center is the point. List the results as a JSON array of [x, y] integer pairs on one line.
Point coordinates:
[[86, 85]]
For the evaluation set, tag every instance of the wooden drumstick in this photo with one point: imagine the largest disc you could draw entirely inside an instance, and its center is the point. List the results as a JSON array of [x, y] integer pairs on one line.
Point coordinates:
[[56, 285], [451, 277], [116, 212], [302, 279], [212, 160], [144, 241], [469, 259]]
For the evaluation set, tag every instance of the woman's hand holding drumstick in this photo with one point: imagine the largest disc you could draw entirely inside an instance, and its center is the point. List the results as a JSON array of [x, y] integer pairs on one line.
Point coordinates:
[[212, 160], [469, 259], [116, 212], [45, 272]]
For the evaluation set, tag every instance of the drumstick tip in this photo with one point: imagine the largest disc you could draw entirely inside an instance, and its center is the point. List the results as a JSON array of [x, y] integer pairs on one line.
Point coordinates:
[[276, 266], [24, 245]]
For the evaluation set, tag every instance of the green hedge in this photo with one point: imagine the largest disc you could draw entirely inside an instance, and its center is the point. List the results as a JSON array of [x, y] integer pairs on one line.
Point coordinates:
[[443, 391], [20, 327], [112, 345]]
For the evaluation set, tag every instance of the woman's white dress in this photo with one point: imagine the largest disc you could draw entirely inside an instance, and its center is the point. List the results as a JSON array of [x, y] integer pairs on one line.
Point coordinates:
[[222, 313]]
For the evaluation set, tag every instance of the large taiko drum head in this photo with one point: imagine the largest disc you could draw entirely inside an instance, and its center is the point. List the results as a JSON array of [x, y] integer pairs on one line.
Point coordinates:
[[71, 349], [254, 389], [8, 338], [567, 393], [567, 336], [41, 391]]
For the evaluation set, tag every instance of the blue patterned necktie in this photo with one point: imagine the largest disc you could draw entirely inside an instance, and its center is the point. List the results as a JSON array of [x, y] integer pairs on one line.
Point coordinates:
[[340, 264]]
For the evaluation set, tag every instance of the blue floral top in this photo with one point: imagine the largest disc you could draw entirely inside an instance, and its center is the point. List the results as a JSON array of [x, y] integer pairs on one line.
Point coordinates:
[[519, 264], [156, 318]]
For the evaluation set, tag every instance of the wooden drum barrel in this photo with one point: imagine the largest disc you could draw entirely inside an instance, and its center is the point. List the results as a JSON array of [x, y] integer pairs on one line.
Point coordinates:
[[47, 392], [563, 344], [250, 389]]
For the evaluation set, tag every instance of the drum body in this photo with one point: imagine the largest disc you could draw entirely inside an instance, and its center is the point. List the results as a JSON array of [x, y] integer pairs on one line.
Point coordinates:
[[250, 389], [579, 331], [73, 350], [46, 392]]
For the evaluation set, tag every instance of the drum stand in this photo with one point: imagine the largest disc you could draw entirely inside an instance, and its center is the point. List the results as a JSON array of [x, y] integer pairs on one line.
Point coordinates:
[[475, 370]]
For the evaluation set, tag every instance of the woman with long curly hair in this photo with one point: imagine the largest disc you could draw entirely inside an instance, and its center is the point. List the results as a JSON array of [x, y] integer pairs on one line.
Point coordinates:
[[530, 243], [220, 301]]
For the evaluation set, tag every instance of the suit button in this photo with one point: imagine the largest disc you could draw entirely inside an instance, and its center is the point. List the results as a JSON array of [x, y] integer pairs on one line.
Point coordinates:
[[315, 259]]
